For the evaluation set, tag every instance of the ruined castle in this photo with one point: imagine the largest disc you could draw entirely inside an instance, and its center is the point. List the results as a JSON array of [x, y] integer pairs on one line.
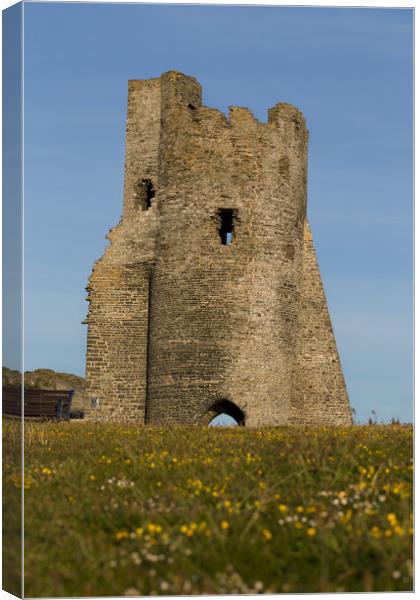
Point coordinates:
[[208, 298]]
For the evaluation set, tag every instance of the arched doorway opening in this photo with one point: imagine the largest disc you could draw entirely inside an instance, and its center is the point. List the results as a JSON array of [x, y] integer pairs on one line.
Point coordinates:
[[223, 420], [225, 413]]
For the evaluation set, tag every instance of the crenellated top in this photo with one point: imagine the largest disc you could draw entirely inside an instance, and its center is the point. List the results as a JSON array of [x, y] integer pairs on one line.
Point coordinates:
[[184, 91]]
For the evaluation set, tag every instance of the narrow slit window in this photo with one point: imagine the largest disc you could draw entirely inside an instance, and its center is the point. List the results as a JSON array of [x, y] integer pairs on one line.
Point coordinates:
[[149, 193], [226, 226]]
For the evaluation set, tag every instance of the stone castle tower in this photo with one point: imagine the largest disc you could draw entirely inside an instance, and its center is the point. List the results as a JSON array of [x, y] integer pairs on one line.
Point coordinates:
[[208, 299]]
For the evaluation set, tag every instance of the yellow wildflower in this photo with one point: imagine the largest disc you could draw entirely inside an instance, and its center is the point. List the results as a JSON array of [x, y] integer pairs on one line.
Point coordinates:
[[311, 531], [282, 508], [392, 519], [267, 535], [376, 532], [346, 518], [121, 535], [224, 525], [152, 528]]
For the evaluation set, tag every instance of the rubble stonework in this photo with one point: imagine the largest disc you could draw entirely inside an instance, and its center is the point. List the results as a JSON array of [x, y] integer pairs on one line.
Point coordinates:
[[208, 298]]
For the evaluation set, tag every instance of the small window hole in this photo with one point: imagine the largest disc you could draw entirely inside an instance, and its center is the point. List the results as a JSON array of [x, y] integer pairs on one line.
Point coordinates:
[[145, 193], [149, 192], [226, 226]]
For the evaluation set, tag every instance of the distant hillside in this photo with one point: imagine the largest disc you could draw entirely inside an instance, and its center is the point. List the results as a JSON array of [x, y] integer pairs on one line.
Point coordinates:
[[50, 380]]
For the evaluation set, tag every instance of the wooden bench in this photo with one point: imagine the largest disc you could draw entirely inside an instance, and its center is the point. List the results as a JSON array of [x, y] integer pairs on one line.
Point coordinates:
[[38, 403]]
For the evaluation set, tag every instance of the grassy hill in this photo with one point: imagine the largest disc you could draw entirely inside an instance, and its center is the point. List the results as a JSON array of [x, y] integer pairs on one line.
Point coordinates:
[[125, 510], [50, 380]]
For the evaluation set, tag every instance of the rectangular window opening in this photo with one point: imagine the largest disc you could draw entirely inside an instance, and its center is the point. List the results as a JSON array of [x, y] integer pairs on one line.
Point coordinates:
[[226, 226], [149, 193]]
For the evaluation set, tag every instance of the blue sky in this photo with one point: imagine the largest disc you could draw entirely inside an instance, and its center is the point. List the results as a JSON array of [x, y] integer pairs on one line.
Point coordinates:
[[348, 70]]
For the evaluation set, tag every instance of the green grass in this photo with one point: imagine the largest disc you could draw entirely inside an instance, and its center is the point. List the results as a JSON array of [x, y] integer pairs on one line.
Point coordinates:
[[114, 510]]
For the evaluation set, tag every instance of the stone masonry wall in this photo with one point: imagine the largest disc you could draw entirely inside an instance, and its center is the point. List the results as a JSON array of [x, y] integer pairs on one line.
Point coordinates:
[[116, 362], [181, 325], [222, 315], [319, 391]]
